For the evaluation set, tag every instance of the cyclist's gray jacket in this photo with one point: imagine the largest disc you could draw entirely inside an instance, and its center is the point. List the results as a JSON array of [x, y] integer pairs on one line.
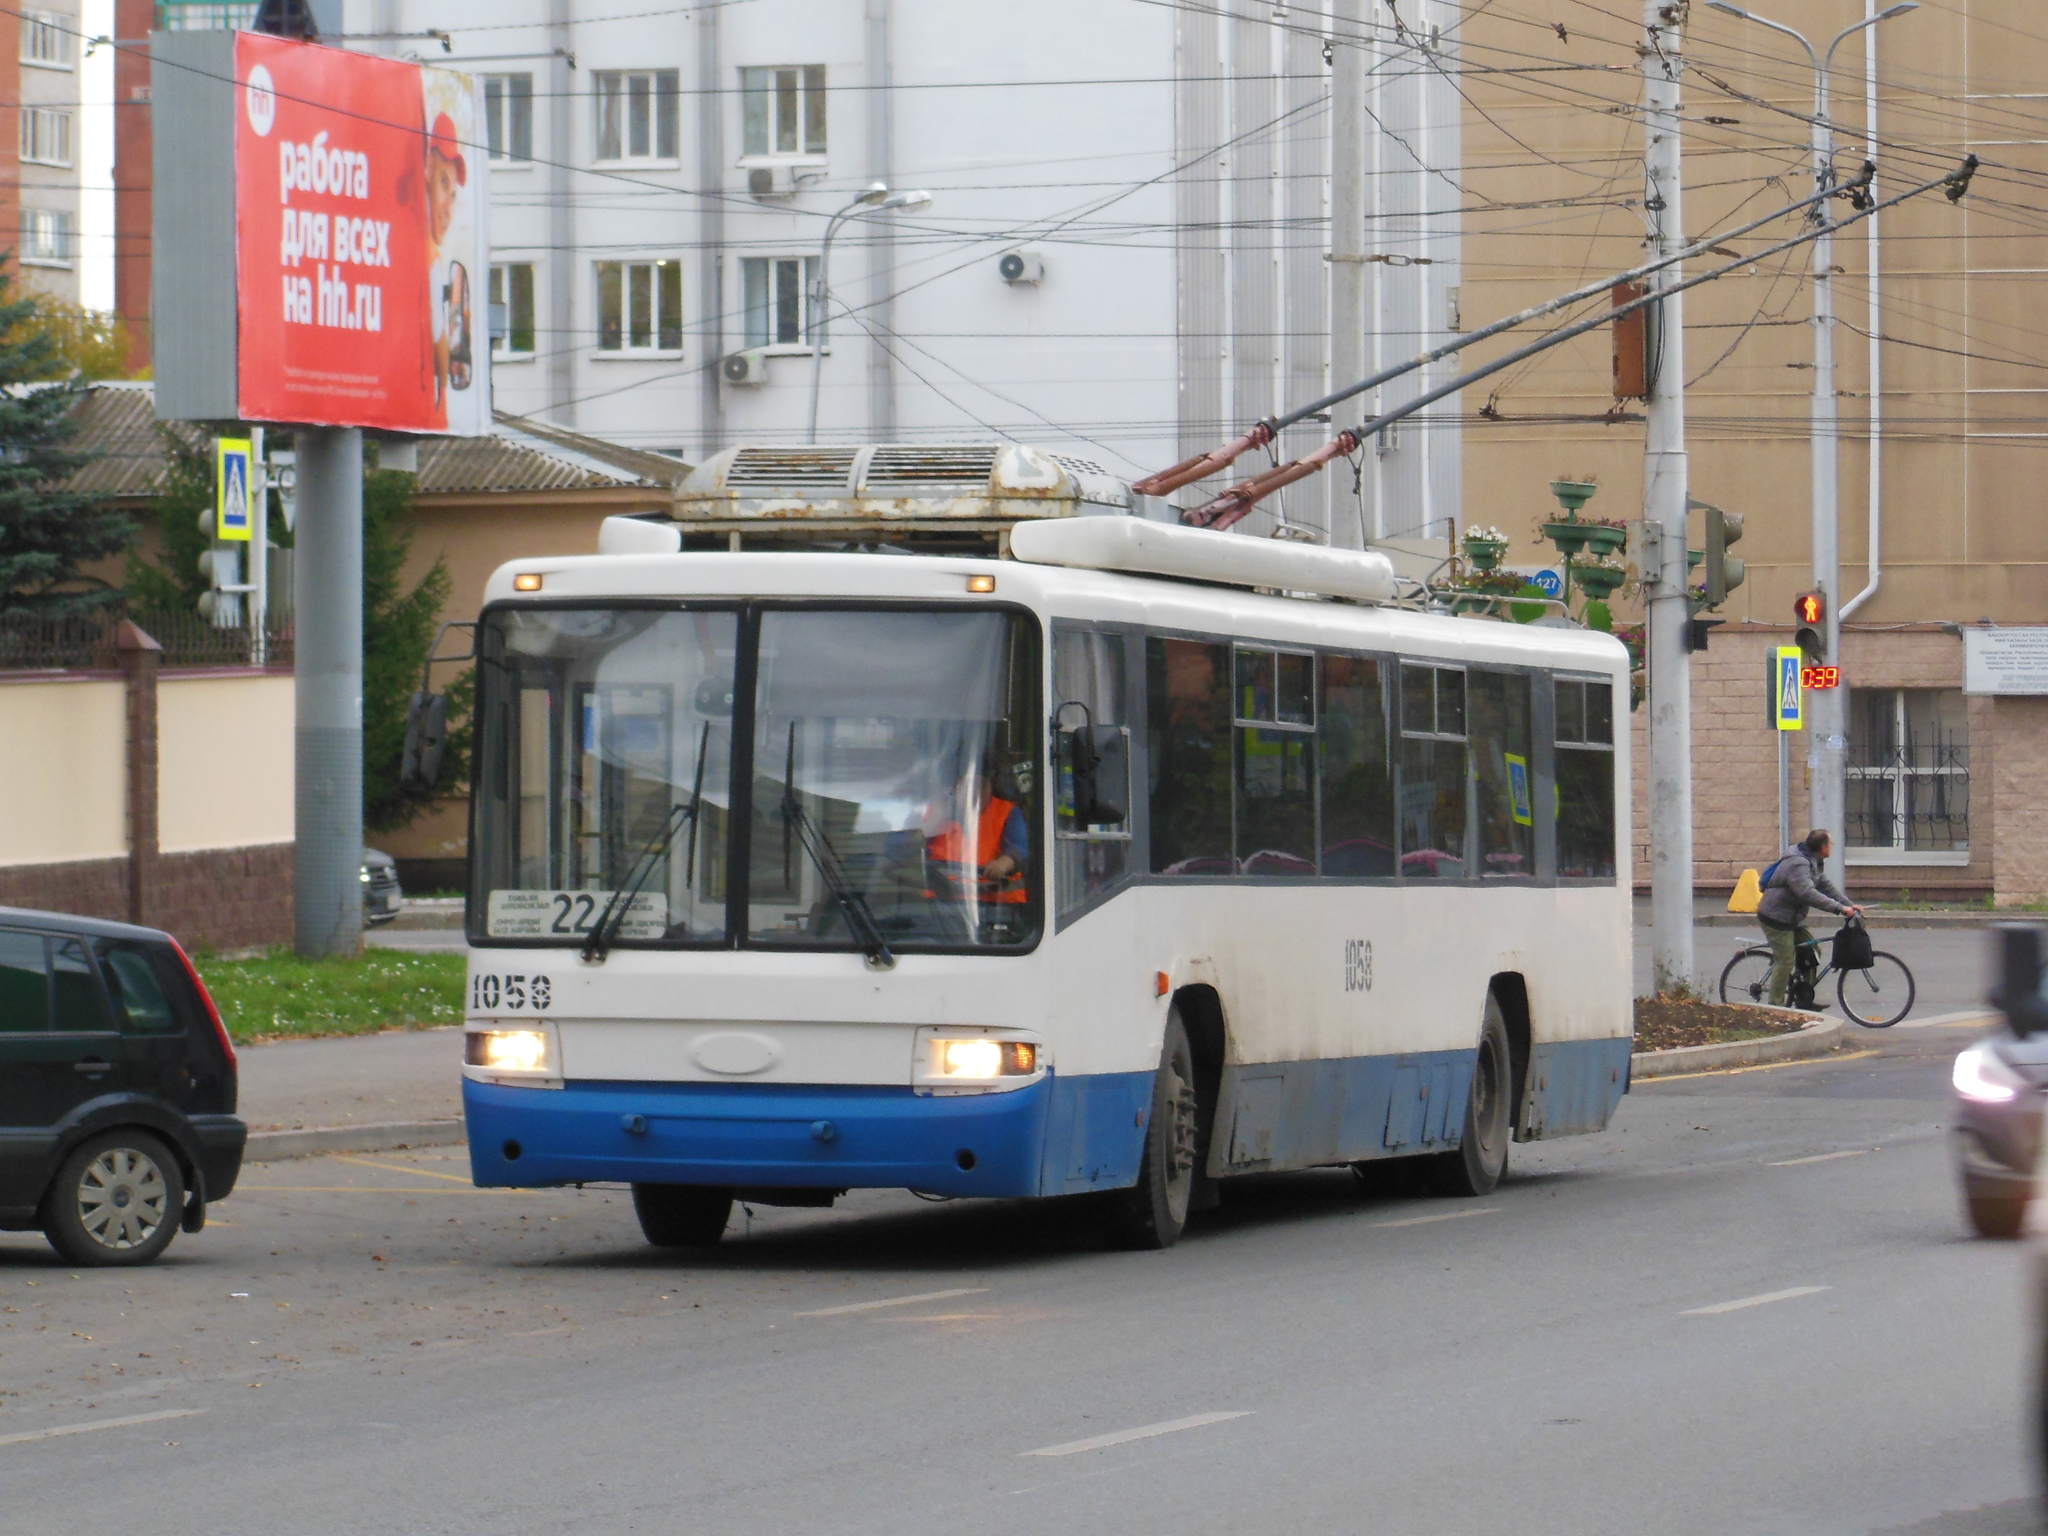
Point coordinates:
[[1800, 882]]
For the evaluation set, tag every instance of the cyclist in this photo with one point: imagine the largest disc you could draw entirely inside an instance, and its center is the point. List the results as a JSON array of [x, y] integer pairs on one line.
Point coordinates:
[[1797, 883]]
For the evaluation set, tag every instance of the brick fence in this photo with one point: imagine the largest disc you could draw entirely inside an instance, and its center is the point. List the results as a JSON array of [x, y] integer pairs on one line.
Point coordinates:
[[222, 898]]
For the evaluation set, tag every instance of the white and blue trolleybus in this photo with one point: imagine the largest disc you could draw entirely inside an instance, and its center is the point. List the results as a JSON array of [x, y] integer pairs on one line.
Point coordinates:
[[978, 835]]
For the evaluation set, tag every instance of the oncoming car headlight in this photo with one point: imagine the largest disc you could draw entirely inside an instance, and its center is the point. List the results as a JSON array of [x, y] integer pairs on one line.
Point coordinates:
[[976, 1060], [512, 1055], [1982, 1078]]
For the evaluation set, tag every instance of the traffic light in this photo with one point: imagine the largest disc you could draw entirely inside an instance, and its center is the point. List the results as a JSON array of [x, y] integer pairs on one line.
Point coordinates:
[[1724, 572], [221, 564], [1810, 609]]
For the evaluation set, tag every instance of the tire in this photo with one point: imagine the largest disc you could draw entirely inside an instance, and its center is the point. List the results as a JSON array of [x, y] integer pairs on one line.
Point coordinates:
[[1747, 978], [116, 1200], [682, 1215], [1482, 1155], [1152, 1213], [1996, 1216], [1876, 998]]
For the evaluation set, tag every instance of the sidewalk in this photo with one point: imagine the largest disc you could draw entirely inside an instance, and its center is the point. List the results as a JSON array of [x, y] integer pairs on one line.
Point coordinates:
[[374, 1091]]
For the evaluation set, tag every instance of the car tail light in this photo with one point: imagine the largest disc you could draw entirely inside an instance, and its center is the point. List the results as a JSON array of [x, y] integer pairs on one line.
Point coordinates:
[[220, 1029]]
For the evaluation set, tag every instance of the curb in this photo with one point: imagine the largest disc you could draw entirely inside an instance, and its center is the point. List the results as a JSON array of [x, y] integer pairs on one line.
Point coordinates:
[[1880, 919], [391, 1136], [1816, 1039]]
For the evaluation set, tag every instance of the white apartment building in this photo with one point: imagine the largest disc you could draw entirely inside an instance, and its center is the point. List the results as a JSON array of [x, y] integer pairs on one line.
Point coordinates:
[[1124, 256], [46, 250]]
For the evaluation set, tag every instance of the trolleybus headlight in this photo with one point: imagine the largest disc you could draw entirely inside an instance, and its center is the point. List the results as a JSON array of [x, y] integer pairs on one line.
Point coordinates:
[[1982, 1078], [508, 1050], [971, 1059]]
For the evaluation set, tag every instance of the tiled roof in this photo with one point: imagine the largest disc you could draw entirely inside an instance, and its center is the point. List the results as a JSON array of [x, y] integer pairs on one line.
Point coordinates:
[[117, 423]]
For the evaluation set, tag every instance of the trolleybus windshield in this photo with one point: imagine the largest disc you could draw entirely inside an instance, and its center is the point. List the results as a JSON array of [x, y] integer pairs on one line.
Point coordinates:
[[877, 790]]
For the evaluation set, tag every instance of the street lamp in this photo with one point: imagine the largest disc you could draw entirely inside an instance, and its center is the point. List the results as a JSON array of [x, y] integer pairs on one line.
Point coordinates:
[[1827, 746], [878, 198]]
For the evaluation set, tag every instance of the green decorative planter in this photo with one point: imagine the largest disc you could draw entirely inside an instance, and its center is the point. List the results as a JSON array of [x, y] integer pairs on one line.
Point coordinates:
[[1605, 540], [1598, 582], [1571, 537], [1573, 494], [1485, 554]]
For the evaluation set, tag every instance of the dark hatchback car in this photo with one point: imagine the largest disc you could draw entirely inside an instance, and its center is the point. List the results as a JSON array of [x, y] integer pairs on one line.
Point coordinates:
[[117, 1088]]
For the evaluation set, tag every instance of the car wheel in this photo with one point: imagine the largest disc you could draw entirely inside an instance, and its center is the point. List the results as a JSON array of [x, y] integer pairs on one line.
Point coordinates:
[[682, 1215], [117, 1199], [1153, 1212], [1996, 1216], [1482, 1156]]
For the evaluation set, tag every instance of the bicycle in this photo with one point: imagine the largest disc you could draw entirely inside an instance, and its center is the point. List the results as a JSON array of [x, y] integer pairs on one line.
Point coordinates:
[[1876, 997]]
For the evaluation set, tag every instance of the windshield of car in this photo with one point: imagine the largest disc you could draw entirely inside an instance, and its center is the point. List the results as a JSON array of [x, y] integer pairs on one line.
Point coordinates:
[[892, 798]]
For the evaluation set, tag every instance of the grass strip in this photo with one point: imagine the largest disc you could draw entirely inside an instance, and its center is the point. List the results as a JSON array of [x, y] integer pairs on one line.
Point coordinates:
[[281, 997]]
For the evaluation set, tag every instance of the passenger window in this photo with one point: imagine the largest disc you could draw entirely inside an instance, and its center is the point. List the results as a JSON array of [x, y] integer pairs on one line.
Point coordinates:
[[140, 1007], [81, 1008], [1089, 858], [1358, 790], [1500, 769], [1585, 779], [1433, 773], [1188, 715], [24, 983], [1276, 791]]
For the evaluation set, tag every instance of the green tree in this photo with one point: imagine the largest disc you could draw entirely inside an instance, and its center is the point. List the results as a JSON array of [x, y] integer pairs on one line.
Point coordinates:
[[170, 581], [85, 343], [46, 533]]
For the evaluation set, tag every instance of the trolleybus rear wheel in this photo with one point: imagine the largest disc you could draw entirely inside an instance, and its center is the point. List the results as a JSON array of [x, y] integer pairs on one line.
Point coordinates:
[[1152, 1212], [682, 1215], [1482, 1157]]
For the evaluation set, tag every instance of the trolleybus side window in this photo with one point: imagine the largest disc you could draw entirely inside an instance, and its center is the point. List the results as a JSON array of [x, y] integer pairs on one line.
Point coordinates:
[[1585, 779], [1188, 756], [1499, 716], [1358, 789], [895, 779], [1089, 688], [1276, 764], [1432, 797]]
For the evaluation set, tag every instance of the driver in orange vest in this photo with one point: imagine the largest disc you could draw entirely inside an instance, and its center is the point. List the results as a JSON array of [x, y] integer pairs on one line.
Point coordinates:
[[1002, 840]]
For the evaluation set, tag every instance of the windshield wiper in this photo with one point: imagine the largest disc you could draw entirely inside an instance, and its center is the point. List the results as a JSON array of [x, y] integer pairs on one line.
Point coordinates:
[[613, 917], [851, 903]]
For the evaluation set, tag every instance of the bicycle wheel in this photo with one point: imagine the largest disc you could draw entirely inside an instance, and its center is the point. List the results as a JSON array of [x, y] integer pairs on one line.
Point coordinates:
[[1879, 996], [1747, 978]]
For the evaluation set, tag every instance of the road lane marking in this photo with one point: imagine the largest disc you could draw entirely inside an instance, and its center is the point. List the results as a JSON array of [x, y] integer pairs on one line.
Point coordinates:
[[1824, 1157], [1123, 1436], [86, 1429], [1756, 1301], [895, 1301], [1419, 1221], [424, 1173], [358, 1189]]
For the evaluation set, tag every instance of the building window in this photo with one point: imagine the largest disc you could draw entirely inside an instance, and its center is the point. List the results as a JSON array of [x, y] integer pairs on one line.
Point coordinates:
[[46, 135], [1909, 771], [207, 15], [508, 116], [45, 237], [780, 301], [636, 115], [512, 288], [639, 306], [46, 39], [782, 110]]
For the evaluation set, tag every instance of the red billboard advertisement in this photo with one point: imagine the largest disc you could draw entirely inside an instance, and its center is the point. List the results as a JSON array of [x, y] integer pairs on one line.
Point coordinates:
[[361, 245]]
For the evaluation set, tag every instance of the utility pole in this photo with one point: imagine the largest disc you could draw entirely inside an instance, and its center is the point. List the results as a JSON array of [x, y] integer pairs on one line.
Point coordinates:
[[327, 580], [1349, 64], [1666, 493]]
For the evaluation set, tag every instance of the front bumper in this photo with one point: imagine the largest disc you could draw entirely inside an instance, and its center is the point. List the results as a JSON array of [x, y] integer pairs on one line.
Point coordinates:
[[765, 1134]]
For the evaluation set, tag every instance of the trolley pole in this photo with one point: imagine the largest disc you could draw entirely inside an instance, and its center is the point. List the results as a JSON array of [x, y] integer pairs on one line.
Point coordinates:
[[327, 582], [1665, 496]]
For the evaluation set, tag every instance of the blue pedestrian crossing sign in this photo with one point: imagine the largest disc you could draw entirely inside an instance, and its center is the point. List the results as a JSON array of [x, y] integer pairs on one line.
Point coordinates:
[[234, 514], [1788, 702]]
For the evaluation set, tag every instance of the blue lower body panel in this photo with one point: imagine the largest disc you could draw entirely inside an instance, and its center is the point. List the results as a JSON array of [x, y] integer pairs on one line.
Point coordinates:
[[1057, 1135]]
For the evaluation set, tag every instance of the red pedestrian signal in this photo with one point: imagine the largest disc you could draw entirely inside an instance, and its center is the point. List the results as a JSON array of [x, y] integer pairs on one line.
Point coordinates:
[[1809, 608]]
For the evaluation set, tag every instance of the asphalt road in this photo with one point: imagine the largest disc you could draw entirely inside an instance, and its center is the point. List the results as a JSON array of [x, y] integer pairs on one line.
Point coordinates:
[[1951, 966], [367, 1344]]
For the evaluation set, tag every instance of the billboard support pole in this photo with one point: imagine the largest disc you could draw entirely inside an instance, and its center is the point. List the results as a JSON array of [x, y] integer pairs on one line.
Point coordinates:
[[327, 585]]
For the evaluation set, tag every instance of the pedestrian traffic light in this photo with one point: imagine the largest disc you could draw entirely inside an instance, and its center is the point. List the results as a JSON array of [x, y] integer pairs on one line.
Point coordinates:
[[1724, 572], [1811, 611], [221, 603]]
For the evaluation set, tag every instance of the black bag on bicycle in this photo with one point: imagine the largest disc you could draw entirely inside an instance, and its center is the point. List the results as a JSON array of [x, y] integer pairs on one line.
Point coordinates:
[[1852, 947]]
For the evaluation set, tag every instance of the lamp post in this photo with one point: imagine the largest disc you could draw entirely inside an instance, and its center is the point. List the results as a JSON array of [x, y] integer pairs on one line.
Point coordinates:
[[1827, 744], [876, 199]]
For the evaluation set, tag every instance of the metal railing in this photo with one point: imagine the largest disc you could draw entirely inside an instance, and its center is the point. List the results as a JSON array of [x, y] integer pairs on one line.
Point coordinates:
[[30, 644]]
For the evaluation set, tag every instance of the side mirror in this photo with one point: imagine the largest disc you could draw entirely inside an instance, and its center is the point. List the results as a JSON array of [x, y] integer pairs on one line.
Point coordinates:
[[2018, 992], [426, 737], [1099, 758]]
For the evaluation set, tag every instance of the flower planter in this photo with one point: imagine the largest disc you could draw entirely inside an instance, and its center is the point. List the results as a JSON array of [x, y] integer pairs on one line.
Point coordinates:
[[1606, 540], [1598, 582], [1570, 537], [1573, 494], [1485, 554]]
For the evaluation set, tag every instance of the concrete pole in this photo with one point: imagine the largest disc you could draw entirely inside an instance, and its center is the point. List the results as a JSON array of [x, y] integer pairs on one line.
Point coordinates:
[[327, 583], [1349, 67], [1827, 743], [1665, 494]]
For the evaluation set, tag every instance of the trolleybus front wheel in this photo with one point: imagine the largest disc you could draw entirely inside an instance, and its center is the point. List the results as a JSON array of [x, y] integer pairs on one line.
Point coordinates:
[[1152, 1212], [1482, 1157], [682, 1215]]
